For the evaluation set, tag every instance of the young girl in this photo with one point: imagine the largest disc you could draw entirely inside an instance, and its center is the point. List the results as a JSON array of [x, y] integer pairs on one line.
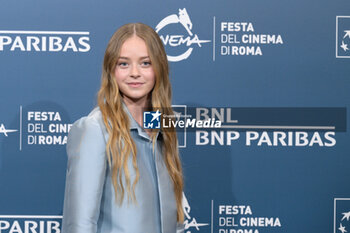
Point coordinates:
[[122, 178]]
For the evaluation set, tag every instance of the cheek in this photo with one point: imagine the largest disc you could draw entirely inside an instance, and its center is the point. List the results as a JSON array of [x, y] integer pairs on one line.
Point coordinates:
[[150, 75], [120, 75]]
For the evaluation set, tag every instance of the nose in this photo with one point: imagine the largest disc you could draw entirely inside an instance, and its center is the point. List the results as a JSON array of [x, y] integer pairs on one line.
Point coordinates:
[[134, 71]]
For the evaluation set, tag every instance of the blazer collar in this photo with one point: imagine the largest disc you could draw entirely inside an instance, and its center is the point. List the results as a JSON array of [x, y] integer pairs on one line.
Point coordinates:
[[135, 125]]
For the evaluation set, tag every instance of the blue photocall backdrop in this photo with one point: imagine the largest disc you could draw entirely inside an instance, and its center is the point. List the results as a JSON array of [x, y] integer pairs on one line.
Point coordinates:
[[276, 73]]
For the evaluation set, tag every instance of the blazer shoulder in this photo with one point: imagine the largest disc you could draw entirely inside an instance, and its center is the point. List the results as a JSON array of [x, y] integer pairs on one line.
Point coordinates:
[[95, 116], [91, 123]]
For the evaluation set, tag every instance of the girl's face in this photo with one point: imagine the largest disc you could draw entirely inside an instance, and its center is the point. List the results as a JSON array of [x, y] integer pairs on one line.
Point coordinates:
[[134, 73]]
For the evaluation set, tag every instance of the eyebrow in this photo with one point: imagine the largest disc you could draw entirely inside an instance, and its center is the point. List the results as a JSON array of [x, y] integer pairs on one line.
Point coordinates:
[[126, 58]]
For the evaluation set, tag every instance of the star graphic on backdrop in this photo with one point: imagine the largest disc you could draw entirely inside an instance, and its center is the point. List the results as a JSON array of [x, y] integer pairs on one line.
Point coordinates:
[[5, 131], [342, 228], [155, 115], [346, 216], [347, 33], [344, 46]]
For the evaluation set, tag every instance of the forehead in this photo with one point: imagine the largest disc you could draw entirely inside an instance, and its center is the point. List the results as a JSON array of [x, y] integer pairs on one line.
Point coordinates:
[[134, 47]]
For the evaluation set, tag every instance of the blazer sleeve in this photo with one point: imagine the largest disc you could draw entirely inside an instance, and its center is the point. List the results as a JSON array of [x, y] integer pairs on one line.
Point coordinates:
[[85, 176]]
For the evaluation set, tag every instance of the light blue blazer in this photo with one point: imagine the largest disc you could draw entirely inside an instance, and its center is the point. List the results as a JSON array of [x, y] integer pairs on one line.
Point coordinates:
[[89, 201]]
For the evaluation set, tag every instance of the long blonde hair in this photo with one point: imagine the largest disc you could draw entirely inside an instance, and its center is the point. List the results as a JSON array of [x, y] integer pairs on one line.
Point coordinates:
[[120, 144]]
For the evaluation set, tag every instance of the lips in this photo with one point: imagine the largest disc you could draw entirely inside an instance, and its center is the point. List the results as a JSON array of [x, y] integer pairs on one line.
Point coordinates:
[[135, 84]]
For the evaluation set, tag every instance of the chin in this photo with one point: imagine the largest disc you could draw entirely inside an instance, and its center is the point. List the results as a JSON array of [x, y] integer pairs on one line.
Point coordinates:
[[135, 97]]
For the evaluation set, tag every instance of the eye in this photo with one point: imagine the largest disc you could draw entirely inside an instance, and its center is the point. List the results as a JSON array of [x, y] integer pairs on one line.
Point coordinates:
[[122, 64], [146, 63]]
